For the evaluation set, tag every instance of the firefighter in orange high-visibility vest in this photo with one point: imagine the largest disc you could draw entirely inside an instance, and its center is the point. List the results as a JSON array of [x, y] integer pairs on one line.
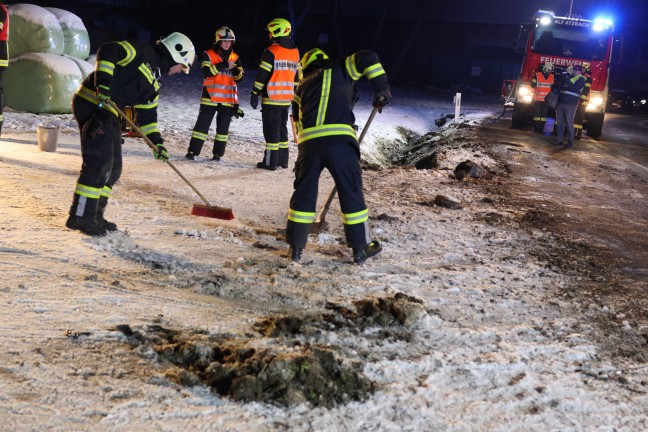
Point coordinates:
[[541, 85], [4, 54], [275, 83], [583, 102], [221, 68]]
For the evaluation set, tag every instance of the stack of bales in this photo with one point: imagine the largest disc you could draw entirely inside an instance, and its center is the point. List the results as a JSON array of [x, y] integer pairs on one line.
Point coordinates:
[[48, 49]]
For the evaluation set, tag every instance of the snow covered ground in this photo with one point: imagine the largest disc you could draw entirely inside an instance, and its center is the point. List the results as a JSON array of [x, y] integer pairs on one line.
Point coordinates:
[[481, 338]]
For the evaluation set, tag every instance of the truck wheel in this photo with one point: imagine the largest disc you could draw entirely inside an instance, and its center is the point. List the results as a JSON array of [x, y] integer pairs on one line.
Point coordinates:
[[594, 125], [520, 118]]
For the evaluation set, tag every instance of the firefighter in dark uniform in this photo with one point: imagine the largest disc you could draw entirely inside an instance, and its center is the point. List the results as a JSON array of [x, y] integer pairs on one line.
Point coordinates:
[[128, 73], [221, 68], [323, 113], [541, 85], [583, 102], [4, 54], [275, 82]]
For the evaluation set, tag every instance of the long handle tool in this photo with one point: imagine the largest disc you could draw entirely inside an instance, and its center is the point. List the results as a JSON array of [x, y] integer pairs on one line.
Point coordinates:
[[319, 221], [206, 210]]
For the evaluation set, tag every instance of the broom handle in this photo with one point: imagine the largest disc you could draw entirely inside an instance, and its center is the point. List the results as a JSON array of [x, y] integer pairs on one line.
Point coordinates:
[[155, 149], [294, 129], [329, 200]]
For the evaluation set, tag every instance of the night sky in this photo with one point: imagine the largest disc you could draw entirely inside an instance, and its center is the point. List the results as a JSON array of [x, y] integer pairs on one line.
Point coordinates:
[[409, 35]]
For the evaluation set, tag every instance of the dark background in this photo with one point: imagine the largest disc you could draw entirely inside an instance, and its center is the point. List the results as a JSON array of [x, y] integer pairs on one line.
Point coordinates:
[[425, 43]]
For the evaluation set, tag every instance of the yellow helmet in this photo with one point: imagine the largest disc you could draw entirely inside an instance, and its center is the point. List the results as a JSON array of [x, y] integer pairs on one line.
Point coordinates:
[[548, 67], [586, 65], [181, 49], [224, 34], [279, 27], [311, 56]]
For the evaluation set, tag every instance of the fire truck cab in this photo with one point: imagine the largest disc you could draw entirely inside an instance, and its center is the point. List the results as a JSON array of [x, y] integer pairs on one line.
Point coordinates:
[[564, 41]]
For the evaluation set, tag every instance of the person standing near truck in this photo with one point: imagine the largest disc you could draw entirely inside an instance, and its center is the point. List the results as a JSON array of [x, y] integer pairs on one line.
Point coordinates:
[[570, 88], [541, 85]]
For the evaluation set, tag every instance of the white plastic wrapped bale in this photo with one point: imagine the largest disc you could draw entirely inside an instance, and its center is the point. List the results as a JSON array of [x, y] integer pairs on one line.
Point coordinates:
[[34, 29], [75, 34], [84, 66], [41, 83]]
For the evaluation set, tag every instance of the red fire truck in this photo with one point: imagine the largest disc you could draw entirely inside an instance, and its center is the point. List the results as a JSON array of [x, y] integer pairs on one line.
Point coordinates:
[[563, 41]]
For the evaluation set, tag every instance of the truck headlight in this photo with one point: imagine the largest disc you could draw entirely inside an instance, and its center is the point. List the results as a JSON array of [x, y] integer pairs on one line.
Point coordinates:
[[524, 94], [595, 103]]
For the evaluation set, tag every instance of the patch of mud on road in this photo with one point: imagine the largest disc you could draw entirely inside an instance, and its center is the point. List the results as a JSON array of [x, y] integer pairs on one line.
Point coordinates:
[[290, 363]]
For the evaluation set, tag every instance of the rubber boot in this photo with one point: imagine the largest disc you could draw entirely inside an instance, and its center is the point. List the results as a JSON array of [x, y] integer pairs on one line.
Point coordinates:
[[83, 215], [101, 207], [269, 161], [360, 255], [295, 254], [282, 159]]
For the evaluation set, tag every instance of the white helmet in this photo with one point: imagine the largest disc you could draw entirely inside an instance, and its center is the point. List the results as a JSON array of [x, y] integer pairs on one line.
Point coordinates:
[[548, 67], [181, 49], [225, 34]]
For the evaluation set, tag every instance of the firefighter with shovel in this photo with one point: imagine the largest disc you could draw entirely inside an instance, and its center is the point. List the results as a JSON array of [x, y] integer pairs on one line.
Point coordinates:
[[323, 114]]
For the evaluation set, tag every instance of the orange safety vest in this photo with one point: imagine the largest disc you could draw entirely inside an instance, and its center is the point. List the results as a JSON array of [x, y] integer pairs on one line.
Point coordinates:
[[543, 86], [221, 87], [281, 86]]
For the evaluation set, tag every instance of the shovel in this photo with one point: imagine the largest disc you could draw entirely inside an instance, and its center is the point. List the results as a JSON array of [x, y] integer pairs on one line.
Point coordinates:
[[319, 221], [206, 210]]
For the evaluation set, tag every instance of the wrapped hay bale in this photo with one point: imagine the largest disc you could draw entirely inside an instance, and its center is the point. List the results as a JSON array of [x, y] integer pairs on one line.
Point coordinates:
[[41, 83], [34, 29], [84, 66], [75, 34]]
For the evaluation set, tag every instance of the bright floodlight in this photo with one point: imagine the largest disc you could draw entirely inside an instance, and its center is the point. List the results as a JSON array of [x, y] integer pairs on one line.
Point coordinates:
[[545, 20], [602, 23]]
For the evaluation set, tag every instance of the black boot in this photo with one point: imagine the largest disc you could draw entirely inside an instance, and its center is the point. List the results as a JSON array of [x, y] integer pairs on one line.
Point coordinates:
[[269, 161], [295, 254], [101, 207], [190, 156], [282, 159], [360, 255], [83, 215]]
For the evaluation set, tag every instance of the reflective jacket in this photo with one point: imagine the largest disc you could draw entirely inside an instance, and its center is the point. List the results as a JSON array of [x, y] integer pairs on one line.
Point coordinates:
[[277, 76], [324, 99], [541, 85], [4, 36], [128, 72], [570, 90], [220, 85]]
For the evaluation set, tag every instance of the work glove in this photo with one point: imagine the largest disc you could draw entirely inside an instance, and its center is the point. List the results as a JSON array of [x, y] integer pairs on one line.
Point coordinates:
[[238, 112], [254, 101], [381, 99], [103, 93], [161, 153]]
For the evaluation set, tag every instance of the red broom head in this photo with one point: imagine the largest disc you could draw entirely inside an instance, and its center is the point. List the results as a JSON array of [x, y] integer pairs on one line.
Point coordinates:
[[212, 212]]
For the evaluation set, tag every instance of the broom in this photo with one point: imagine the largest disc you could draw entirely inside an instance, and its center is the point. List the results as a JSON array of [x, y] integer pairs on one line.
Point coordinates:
[[206, 210], [319, 221]]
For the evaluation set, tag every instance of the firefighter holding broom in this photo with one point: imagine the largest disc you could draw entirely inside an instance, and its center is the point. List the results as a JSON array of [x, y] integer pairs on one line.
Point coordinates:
[[323, 114], [127, 73]]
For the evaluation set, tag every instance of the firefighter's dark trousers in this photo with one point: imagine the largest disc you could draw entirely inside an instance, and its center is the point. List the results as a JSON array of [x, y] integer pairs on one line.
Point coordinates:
[[200, 133], [102, 156], [540, 110], [340, 155], [579, 118], [275, 133]]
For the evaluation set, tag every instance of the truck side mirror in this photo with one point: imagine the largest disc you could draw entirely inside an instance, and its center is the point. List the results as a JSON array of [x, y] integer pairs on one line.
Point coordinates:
[[519, 44], [617, 44]]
